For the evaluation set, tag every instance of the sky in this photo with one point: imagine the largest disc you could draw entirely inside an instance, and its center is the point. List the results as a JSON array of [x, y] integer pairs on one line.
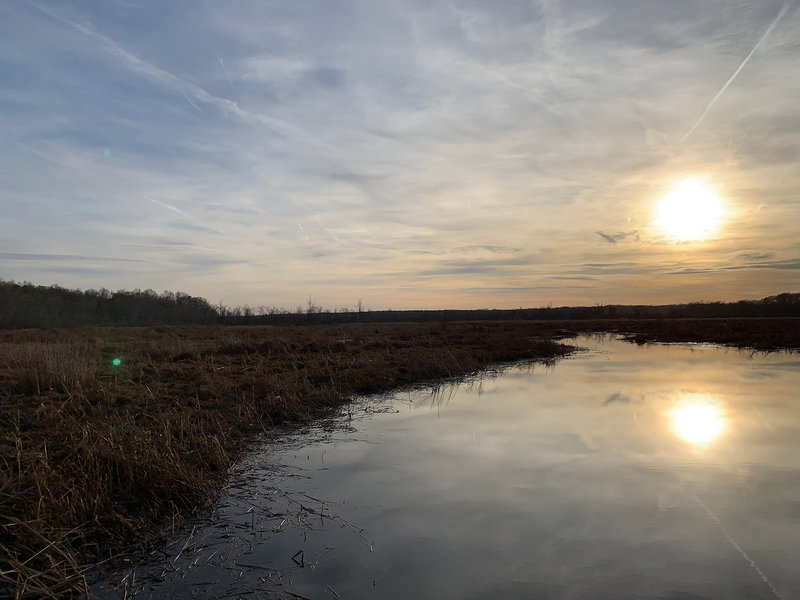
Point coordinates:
[[415, 154]]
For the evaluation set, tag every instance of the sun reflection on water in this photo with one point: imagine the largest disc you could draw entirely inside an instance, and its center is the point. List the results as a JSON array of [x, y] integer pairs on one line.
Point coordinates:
[[698, 420]]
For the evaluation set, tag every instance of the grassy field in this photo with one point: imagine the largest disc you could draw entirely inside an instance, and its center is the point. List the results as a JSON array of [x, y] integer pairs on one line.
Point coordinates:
[[97, 460]]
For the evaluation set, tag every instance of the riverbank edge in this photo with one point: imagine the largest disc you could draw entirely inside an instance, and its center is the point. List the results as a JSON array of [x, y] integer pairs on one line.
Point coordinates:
[[100, 461]]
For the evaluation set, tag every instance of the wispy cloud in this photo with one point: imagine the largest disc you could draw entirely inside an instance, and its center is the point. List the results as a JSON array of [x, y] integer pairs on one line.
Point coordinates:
[[755, 256], [613, 238], [434, 154], [738, 70], [168, 206], [620, 398], [175, 84], [791, 264], [45, 258]]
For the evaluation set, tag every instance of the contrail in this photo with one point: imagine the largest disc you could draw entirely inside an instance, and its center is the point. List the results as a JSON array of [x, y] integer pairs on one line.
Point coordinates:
[[716, 521], [738, 548], [188, 90], [225, 71], [192, 103], [169, 206], [781, 13]]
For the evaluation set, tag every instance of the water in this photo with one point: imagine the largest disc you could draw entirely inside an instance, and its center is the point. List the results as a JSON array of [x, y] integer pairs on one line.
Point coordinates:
[[623, 472]]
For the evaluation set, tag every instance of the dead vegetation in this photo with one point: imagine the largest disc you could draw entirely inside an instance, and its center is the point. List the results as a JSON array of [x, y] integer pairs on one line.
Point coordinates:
[[775, 333], [96, 459]]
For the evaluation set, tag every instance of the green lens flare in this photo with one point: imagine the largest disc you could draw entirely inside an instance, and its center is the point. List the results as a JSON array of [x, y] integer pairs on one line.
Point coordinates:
[[116, 362]]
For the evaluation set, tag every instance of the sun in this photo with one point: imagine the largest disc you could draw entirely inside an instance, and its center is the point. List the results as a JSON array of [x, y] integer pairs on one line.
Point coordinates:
[[689, 212]]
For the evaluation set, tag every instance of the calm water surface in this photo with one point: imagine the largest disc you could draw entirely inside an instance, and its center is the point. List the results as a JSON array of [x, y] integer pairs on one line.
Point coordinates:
[[623, 472]]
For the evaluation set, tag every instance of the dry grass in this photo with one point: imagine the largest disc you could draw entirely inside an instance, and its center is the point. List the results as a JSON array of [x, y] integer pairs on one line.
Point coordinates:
[[96, 460]]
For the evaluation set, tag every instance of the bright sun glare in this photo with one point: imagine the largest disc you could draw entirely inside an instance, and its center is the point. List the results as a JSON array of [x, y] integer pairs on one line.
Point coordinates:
[[690, 212], [698, 422]]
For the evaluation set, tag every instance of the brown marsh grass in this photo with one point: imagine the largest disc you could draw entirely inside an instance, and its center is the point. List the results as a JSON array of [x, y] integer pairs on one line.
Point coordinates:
[[97, 460], [775, 333]]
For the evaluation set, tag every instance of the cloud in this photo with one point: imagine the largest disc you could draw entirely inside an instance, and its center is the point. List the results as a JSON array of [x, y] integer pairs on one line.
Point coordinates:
[[490, 249], [755, 256], [738, 70], [269, 69], [618, 237], [195, 228], [618, 398], [61, 257], [691, 271], [428, 152], [177, 85], [167, 206], [791, 264]]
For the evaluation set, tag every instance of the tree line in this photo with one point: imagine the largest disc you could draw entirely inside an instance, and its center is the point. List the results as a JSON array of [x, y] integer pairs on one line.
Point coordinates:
[[24, 305], [28, 305]]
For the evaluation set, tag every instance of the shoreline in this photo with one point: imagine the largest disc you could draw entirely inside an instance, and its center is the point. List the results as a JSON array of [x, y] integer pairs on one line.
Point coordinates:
[[99, 460]]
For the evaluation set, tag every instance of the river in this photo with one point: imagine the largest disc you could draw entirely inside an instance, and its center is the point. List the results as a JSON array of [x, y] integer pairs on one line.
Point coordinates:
[[624, 471]]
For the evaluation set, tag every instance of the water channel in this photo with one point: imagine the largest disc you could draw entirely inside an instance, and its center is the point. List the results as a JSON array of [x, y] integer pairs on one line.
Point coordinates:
[[653, 472]]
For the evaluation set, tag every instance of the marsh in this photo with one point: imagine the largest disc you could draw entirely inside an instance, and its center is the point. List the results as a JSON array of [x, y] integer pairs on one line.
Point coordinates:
[[655, 471]]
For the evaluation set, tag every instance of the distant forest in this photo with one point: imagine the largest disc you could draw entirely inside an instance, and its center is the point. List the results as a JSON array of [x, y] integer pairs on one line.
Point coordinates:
[[24, 305]]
